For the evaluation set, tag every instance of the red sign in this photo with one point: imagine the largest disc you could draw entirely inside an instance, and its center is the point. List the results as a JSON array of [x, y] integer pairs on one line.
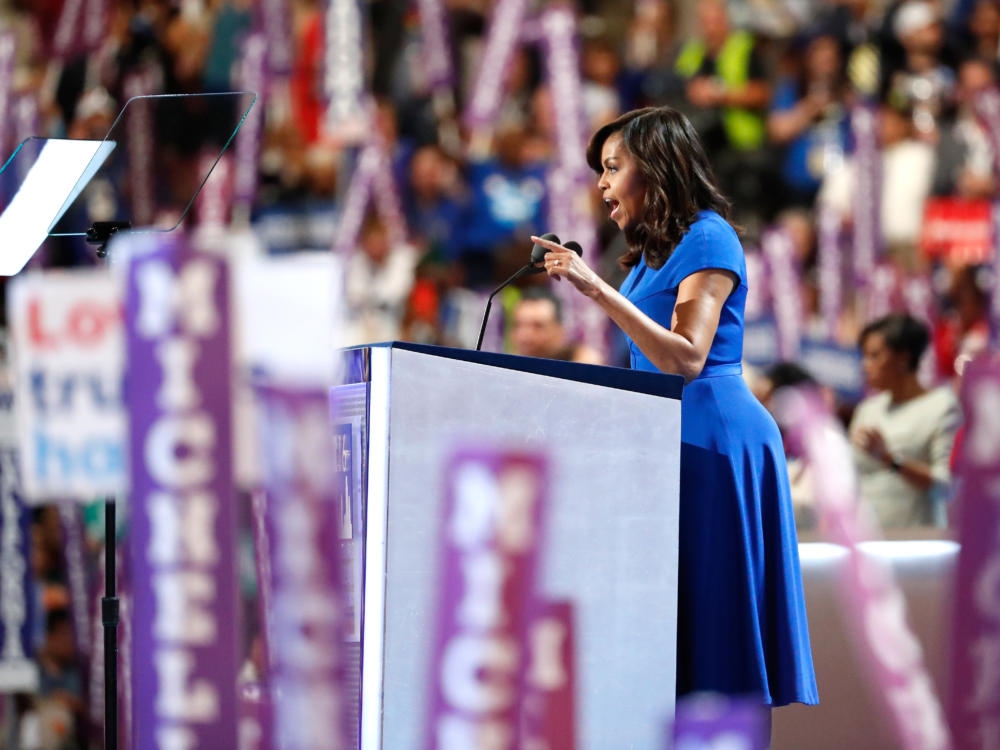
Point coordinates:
[[957, 230]]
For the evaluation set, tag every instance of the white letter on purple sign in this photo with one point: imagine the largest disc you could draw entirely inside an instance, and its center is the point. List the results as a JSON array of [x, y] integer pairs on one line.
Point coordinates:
[[175, 738], [917, 701], [163, 297], [893, 643], [482, 601], [516, 527], [459, 733], [178, 390], [181, 612], [184, 529], [983, 443], [305, 654], [987, 595], [168, 434], [475, 505], [302, 703], [547, 669], [298, 560], [985, 659], [477, 672], [179, 698]]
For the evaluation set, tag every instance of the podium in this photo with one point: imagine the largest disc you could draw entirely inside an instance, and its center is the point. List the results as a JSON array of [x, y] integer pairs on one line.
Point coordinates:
[[611, 437]]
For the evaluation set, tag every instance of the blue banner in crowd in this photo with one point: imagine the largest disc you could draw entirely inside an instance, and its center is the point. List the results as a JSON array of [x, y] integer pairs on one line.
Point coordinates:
[[835, 366], [760, 341]]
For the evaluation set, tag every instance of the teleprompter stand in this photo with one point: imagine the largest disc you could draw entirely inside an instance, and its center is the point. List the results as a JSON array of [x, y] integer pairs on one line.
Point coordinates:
[[99, 234]]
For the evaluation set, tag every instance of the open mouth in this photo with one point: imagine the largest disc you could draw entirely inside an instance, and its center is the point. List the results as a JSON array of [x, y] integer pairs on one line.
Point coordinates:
[[613, 206]]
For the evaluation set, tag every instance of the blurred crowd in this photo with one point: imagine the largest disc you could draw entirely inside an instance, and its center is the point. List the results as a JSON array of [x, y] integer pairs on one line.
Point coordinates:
[[770, 85]]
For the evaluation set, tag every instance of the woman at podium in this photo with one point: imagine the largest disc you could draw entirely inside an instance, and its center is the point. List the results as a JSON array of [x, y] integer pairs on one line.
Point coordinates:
[[741, 614]]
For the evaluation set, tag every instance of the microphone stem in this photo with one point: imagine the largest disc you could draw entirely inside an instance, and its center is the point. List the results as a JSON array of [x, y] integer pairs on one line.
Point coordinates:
[[489, 302]]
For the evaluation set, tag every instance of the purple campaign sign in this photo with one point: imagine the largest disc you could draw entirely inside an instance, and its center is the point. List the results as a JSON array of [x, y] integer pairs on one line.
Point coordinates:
[[81, 601], [275, 17], [372, 180], [785, 274], [562, 57], [184, 632], [974, 705], [871, 599], [8, 46], [18, 672], [306, 616], [140, 132], [986, 106], [71, 518], [343, 63], [252, 77], [358, 196], [829, 250], [917, 291], [436, 46], [67, 38], [491, 534], [488, 90], [253, 718], [570, 178], [262, 567], [882, 291], [95, 23], [867, 192], [995, 290], [548, 710], [717, 722]]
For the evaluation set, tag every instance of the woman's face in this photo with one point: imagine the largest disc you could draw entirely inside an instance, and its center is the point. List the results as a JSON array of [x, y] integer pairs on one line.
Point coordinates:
[[883, 367], [622, 187]]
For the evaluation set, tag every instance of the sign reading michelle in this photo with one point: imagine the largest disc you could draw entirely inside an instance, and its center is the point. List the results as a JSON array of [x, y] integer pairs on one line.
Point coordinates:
[[491, 534], [182, 521]]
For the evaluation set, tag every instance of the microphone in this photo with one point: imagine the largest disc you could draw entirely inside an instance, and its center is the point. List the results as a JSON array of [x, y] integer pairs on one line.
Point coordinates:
[[537, 256], [538, 251]]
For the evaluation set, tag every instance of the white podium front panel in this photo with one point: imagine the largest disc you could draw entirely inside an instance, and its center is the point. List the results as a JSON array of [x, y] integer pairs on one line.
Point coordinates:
[[610, 547]]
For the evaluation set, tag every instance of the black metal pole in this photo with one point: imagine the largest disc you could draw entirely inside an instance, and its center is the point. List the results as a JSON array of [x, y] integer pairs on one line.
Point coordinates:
[[110, 619], [99, 234]]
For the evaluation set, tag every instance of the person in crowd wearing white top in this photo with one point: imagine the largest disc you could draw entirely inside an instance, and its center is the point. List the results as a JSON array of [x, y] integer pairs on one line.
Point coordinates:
[[903, 433], [379, 277]]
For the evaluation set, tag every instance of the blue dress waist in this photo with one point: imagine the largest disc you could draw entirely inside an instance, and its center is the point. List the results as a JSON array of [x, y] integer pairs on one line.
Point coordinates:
[[720, 369]]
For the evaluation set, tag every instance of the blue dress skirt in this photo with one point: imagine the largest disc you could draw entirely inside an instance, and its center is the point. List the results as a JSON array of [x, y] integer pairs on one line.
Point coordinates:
[[742, 625]]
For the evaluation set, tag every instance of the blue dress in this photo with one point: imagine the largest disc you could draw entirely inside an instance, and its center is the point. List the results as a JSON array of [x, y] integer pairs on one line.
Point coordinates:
[[741, 626]]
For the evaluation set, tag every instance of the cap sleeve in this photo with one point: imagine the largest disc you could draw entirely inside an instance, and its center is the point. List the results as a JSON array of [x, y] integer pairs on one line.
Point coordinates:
[[710, 243]]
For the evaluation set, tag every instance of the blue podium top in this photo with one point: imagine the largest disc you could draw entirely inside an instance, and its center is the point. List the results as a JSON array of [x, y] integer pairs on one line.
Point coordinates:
[[357, 368]]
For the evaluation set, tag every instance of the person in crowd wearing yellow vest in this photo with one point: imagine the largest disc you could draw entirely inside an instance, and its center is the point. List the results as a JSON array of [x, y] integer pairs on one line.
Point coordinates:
[[727, 92], [724, 74]]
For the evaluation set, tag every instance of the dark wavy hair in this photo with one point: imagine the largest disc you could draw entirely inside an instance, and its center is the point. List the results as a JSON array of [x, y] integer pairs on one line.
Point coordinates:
[[677, 174]]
